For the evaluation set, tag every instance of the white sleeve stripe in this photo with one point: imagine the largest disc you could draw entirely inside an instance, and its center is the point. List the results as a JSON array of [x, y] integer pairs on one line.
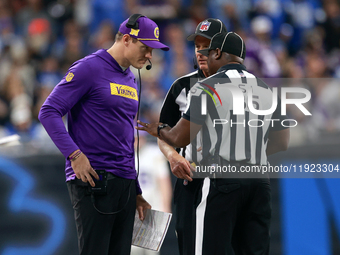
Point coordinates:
[[181, 100], [187, 75]]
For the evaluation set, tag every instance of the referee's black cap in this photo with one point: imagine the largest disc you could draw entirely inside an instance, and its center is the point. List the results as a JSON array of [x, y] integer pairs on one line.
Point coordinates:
[[230, 42], [208, 28]]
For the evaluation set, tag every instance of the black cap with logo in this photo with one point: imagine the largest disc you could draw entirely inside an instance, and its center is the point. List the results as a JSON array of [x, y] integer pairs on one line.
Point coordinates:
[[208, 28], [230, 43]]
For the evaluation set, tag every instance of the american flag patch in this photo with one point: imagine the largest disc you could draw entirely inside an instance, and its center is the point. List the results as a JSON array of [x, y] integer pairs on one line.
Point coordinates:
[[205, 26]]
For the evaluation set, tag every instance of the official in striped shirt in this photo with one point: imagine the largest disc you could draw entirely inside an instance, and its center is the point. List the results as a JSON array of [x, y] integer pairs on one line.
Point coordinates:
[[234, 214], [187, 189]]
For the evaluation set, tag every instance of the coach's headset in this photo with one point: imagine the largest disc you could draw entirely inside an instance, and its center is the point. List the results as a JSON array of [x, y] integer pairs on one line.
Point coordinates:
[[132, 23]]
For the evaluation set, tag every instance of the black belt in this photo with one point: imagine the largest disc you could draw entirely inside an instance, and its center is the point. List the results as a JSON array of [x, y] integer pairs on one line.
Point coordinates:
[[222, 162]]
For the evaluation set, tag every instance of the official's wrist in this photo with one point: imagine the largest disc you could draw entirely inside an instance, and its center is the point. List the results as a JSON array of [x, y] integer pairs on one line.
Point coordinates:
[[171, 156], [160, 127]]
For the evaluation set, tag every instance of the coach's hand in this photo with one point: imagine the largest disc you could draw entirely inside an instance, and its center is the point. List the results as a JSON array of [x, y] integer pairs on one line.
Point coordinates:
[[141, 206], [83, 169], [180, 167]]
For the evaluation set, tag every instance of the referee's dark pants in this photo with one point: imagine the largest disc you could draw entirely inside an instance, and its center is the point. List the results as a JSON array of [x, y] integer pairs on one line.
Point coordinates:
[[223, 216], [186, 198], [100, 234]]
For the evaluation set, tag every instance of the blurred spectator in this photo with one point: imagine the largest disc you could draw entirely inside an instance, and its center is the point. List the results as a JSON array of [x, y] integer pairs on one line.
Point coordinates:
[[260, 58], [312, 48], [198, 12], [60, 12], [16, 5], [313, 42], [331, 25], [7, 33], [234, 14], [302, 15], [83, 12], [104, 37], [281, 45], [153, 97], [177, 59], [154, 9], [15, 62], [6, 22], [271, 9], [72, 47], [162, 12], [290, 69], [48, 78], [33, 10], [39, 38], [20, 107], [114, 10], [294, 77], [326, 110], [325, 92]]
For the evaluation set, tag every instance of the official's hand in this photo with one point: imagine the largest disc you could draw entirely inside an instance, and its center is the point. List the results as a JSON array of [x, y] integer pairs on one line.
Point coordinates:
[[83, 169], [141, 206], [151, 128], [181, 167]]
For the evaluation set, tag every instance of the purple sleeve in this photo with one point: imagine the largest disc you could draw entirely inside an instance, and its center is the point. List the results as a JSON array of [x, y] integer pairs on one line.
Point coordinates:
[[75, 84], [52, 121]]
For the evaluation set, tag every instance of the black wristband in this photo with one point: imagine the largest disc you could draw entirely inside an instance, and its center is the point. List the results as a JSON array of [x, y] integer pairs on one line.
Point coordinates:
[[161, 127]]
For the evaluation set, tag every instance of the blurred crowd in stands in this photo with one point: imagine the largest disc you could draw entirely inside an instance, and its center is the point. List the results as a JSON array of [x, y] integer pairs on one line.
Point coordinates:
[[295, 41]]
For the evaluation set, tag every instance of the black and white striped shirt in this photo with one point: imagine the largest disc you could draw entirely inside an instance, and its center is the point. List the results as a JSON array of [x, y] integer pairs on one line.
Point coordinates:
[[175, 105], [234, 137]]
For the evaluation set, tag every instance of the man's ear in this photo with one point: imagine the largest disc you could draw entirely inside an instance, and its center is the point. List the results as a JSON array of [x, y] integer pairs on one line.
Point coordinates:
[[218, 54], [126, 39]]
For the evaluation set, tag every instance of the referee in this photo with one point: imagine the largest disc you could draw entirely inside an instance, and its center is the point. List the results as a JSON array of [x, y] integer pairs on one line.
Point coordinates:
[[234, 217], [173, 108]]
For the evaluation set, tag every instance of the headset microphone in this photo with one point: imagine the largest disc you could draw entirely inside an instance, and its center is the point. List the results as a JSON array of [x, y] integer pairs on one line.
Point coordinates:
[[195, 63], [148, 67]]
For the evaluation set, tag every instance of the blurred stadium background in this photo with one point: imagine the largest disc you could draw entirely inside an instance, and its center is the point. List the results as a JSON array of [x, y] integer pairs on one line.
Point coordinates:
[[289, 42]]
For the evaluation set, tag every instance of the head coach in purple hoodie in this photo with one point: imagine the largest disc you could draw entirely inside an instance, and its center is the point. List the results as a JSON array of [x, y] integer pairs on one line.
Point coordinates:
[[99, 95]]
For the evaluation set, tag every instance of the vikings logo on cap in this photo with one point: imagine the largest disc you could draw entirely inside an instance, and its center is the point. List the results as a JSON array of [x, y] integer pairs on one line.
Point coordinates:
[[205, 26], [134, 32], [156, 32]]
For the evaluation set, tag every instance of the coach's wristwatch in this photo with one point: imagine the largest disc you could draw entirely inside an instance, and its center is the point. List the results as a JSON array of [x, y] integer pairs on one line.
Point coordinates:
[[161, 127]]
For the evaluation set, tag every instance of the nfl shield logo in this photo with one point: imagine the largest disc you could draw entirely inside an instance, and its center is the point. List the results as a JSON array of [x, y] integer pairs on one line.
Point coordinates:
[[205, 26]]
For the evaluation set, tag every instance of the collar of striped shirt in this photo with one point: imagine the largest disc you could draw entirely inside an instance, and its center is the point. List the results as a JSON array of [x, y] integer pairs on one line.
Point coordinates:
[[232, 66]]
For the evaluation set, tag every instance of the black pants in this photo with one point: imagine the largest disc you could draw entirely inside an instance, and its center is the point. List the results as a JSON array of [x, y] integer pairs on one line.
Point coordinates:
[[100, 234], [186, 199], [223, 216]]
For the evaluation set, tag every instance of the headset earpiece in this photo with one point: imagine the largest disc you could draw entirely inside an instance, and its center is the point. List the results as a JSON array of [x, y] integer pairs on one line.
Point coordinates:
[[132, 22]]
